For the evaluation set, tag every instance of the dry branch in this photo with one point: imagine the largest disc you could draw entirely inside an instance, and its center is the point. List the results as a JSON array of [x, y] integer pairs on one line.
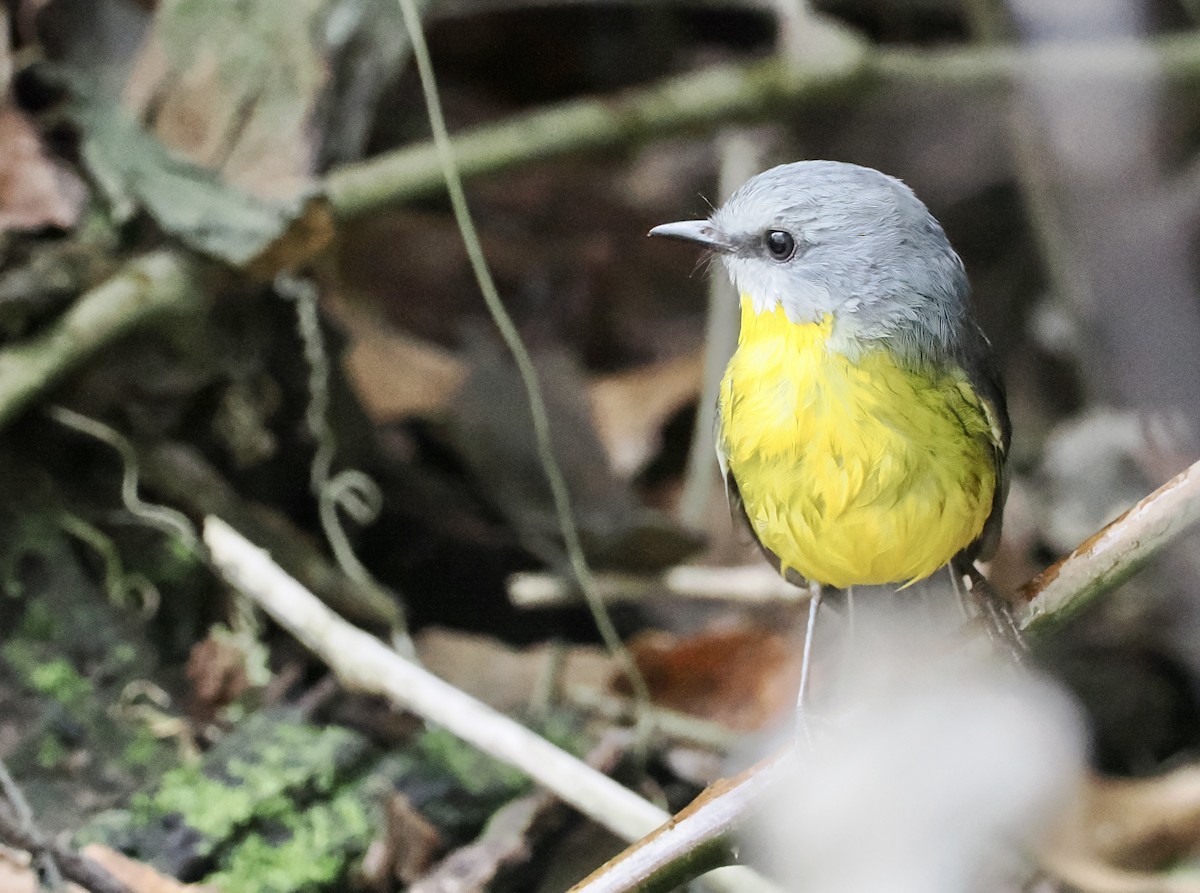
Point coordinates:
[[1113, 555], [75, 866], [698, 837], [146, 288], [749, 92], [692, 101], [753, 584]]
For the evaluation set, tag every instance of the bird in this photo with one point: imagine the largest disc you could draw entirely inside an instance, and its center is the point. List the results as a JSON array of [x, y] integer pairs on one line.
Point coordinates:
[[862, 428]]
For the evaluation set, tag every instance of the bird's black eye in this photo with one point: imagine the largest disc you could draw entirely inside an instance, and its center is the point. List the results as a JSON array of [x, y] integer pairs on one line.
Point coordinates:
[[780, 244]]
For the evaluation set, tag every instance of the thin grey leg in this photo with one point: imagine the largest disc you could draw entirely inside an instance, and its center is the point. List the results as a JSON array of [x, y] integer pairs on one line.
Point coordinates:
[[964, 597], [814, 607]]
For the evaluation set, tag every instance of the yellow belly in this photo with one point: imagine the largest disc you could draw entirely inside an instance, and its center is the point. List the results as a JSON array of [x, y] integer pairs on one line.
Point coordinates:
[[852, 472]]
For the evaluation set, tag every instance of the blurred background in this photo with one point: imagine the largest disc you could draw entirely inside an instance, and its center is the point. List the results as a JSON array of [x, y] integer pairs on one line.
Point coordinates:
[[281, 327]]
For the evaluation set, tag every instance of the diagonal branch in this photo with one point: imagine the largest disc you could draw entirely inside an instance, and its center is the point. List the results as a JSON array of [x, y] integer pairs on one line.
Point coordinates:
[[148, 287], [1112, 556], [364, 663]]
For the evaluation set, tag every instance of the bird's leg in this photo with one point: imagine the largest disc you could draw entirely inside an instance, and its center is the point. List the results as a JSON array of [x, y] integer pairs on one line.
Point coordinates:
[[960, 591], [997, 614], [814, 606], [849, 590]]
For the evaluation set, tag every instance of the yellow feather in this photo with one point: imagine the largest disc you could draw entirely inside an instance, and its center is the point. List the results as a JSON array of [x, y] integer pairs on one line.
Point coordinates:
[[852, 471]]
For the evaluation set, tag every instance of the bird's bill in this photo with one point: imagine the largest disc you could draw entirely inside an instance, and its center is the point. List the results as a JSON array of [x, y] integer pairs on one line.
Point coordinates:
[[702, 232]]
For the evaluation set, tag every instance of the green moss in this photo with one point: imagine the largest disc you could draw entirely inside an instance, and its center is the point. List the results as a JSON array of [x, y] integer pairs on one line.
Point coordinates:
[[58, 680], [296, 756], [38, 622], [212, 808], [142, 749], [319, 843], [122, 656], [51, 753]]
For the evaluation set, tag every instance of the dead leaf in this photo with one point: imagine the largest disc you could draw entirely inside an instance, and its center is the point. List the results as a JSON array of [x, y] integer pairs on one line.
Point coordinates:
[[16, 872], [216, 668], [743, 678], [397, 376], [135, 171], [491, 430], [1133, 824], [232, 87], [632, 407], [138, 876], [35, 190], [407, 849], [216, 137], [506, 678]]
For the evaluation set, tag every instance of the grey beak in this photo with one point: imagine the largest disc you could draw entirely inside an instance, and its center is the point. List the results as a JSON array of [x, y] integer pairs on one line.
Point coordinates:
[[699, 231]]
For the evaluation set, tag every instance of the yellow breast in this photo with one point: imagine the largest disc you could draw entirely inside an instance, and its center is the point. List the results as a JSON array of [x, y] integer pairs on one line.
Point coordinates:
[[852, 472]]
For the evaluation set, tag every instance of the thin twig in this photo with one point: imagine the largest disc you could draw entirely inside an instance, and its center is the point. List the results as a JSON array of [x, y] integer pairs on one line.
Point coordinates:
[[18, 829], [754, 584], [163, 518], [178, 473], [350, 490], [364, 663], [12, 792], [560, 493], [670, 724]]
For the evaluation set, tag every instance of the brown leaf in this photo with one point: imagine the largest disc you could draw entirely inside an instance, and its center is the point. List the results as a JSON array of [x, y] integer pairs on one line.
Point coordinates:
[[397, 376], [233, 87], [742, 678], [138, 876], [406, 851], [1133, 824], [631, 408], [35, 190], [216, 668], [305, 236], [506, 677]]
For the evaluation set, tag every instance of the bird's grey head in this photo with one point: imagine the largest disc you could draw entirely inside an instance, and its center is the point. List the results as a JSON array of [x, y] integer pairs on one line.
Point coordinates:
[[825, 238]]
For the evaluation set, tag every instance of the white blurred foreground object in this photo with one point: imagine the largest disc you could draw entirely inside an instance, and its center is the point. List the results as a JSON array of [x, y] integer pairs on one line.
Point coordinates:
[[940, 772]]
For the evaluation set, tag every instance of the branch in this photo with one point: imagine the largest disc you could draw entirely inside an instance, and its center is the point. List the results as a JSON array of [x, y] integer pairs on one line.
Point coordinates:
[[687, 102], [753, 584], [1113, 555], [18, 829], [364, 663], [750, 92], [148, 287], [698, 839]]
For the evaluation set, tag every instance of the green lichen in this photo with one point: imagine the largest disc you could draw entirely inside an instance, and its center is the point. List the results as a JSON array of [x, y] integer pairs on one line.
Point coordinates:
[[295, 757], [318, 847]]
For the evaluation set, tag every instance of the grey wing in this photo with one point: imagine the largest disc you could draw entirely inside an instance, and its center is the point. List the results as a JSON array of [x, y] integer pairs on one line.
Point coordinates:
[[984, 376]]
